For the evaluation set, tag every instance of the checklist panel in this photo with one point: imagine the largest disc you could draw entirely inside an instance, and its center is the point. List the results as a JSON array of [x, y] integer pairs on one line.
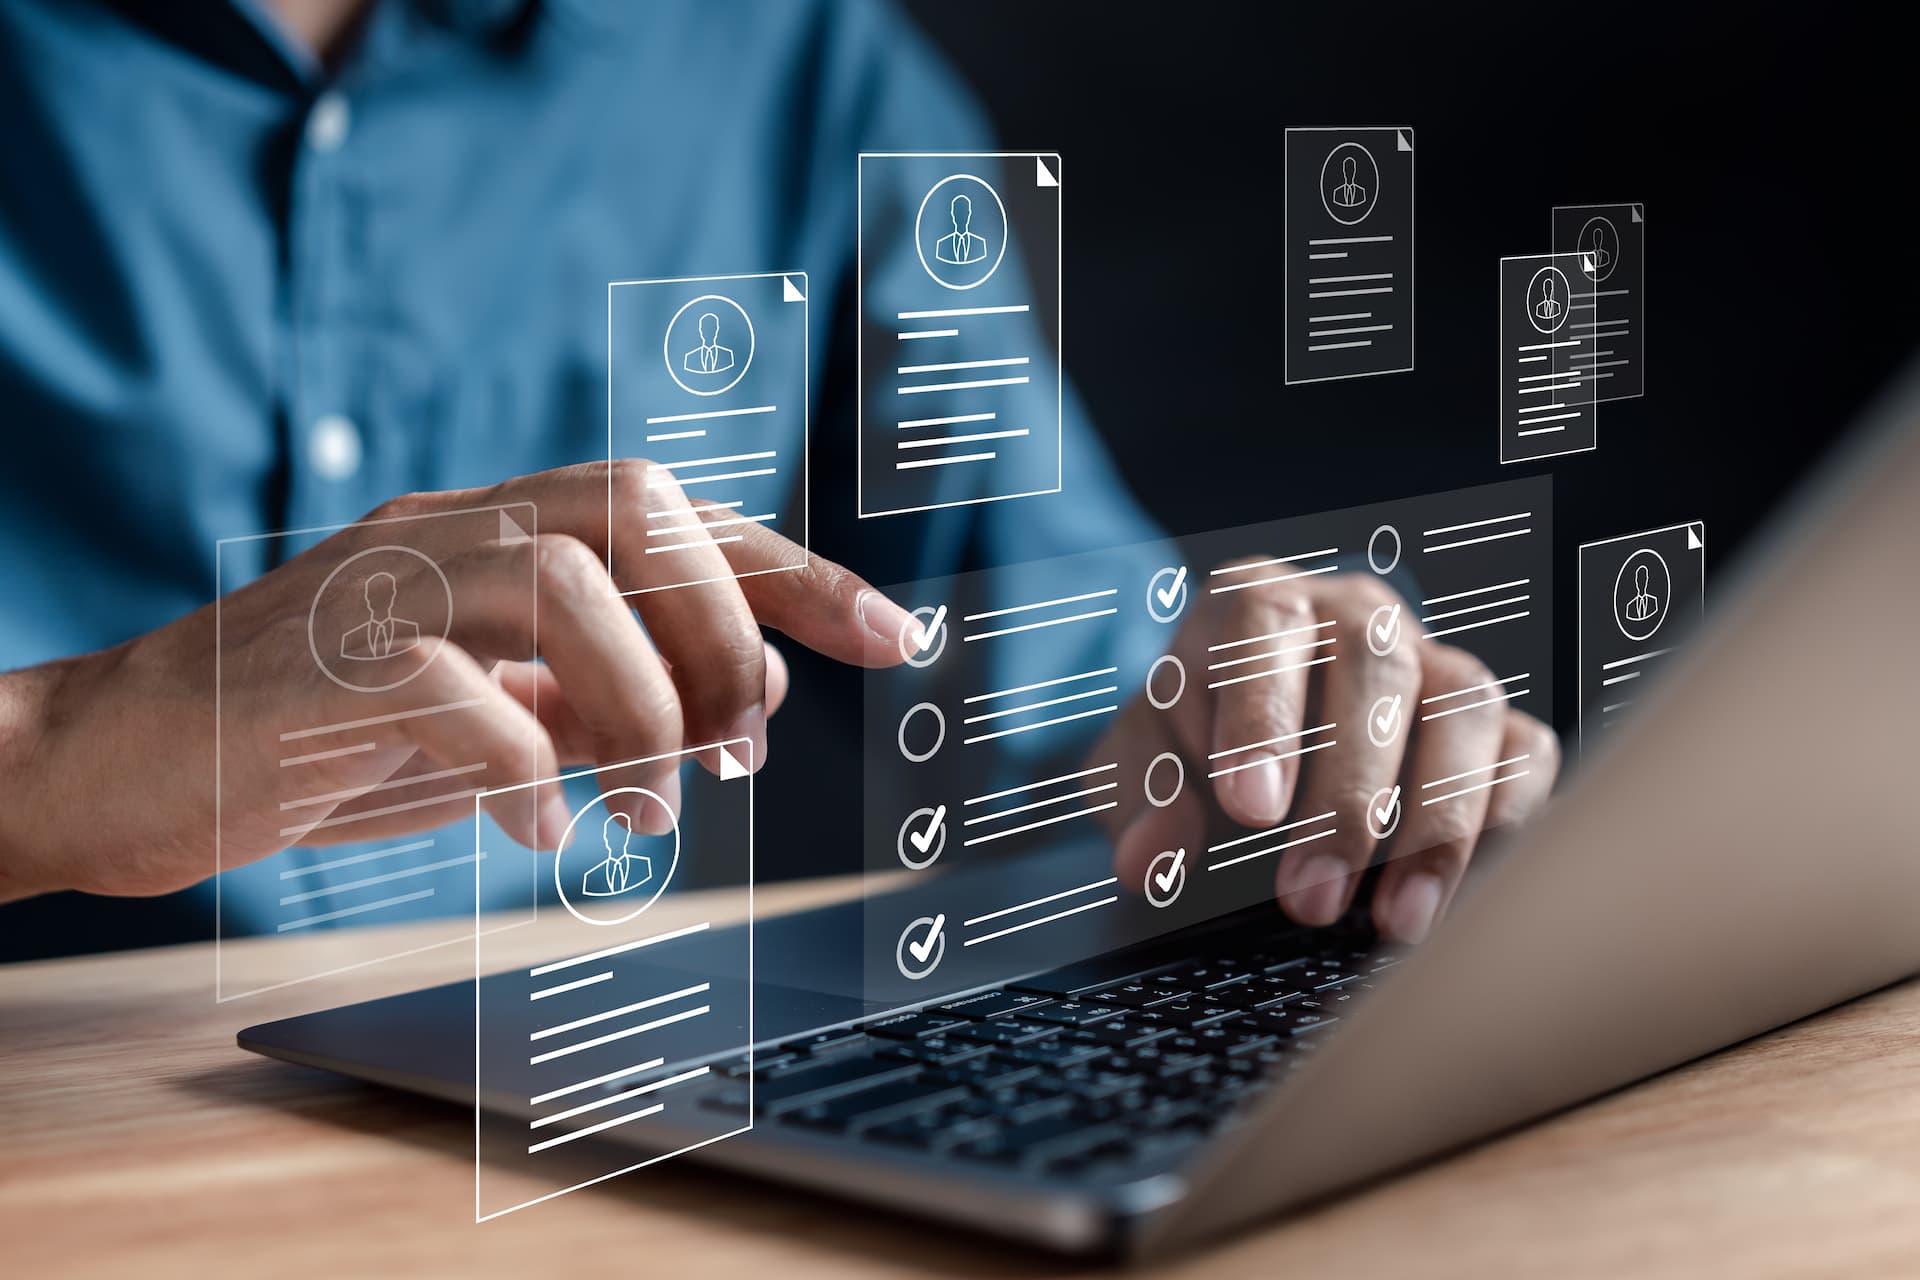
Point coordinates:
[[1042, 707], [1609, 242], [707, 380], [959, 294], [1640, 595], [599, 1057], [1547, 396], [1349, 253], [372, 753]]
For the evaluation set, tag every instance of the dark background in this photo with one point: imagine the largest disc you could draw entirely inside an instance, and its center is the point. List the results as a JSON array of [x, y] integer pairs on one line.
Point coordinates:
[[1772, 147]]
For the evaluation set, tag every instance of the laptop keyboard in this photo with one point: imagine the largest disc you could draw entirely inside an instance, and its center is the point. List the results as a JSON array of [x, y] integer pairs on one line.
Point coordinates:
[[1092, 1069]]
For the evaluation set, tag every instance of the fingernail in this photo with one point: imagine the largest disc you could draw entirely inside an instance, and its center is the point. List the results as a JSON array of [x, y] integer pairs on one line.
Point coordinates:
[[751, 725], [1259, 791], [1316, 892], [1410, 914], [881, 616], [655, 820]]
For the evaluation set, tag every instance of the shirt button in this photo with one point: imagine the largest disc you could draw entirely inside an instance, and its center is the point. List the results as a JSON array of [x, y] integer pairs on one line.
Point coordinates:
[[334, 447], [329, 122]]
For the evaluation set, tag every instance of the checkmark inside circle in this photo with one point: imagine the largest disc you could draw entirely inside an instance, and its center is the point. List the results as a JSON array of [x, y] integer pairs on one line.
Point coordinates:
[[1168, 594], [923, 839], [1386, 719], [929, 632], [924, 948], [1165, 880]]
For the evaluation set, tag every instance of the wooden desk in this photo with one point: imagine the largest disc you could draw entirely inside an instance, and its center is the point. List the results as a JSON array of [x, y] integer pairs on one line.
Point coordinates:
[[136, 1140]]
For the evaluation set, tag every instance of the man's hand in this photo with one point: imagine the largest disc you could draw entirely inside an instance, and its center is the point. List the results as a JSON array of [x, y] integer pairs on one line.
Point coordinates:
[[107, 761], [1252, 734]]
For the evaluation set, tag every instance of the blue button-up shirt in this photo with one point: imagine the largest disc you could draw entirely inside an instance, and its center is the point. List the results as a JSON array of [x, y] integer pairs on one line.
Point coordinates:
[[240, 293]]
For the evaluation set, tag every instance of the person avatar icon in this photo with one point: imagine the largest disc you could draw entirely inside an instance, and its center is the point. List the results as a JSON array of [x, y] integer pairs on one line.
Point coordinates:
[[382, 635], [963, 247], [1548, 308], [1598, 256], [619, 872], [709, 356], [1349, 194], [1643, 605]]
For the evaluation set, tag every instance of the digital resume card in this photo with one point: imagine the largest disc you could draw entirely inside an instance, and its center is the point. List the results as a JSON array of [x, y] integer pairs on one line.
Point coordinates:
[[337, 780], [707, 379], [959, 294], [612, 1050], [1349, 253]]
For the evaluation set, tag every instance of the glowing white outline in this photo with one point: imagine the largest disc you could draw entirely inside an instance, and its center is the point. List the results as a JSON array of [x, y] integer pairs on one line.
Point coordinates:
[[860, 339]]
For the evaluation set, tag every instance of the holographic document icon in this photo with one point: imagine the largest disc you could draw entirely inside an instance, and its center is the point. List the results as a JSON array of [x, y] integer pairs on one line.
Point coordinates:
[[620, 872], [382, 635]]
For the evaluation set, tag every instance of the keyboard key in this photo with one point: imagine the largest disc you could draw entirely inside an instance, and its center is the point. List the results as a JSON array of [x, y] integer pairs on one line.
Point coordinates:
[[1086, 976], [1194, 1011], [946, 1126], [934, 1051], [1061, 1051], [1122, 1032], [1006, 1031], [1100, 1086], [911, 1026], [1136, 995], [988, 1005], [984, 1073], [1288, 1021], [771, 1060], [882, 1105], [816, 1082], [827, 1042], [1072, 1013]]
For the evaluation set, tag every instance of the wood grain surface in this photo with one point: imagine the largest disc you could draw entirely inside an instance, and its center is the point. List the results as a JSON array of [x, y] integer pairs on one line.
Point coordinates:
[[137, 1140]]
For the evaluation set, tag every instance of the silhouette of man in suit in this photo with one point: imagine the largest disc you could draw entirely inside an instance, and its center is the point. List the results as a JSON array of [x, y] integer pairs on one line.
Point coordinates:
[[1599, 252], [709, 356], [963, 247], [1643, 604], [382, 635], [1548, 308], [618, 872], [1349, 194]]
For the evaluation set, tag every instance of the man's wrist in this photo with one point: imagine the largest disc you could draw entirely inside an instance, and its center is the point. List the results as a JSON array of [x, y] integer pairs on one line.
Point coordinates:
[[27, 701]]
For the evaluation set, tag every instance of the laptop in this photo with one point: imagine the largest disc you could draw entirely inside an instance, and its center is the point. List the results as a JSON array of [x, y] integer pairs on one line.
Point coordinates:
[[1740, 854]]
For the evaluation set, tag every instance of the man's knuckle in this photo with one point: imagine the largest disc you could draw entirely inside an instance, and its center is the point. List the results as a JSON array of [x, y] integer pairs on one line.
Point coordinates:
[[1538, 740], [634, 483], [1449, 856], [563, 562]]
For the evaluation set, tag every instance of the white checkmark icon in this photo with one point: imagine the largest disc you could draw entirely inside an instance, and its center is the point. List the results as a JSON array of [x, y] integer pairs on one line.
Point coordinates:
[[1171, 592], [1384, 629], [923, 840], [1384, 722], [927, 634], [1166, 879], [1384, 813], [921, 950]]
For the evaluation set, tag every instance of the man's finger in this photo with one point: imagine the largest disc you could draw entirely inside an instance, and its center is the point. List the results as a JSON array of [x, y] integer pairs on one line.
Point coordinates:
[[1534, 749], [1257, 670], [481, 740], [818, 603], [611, 675], [694, 611], [1441, 805], [1374, 701]]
